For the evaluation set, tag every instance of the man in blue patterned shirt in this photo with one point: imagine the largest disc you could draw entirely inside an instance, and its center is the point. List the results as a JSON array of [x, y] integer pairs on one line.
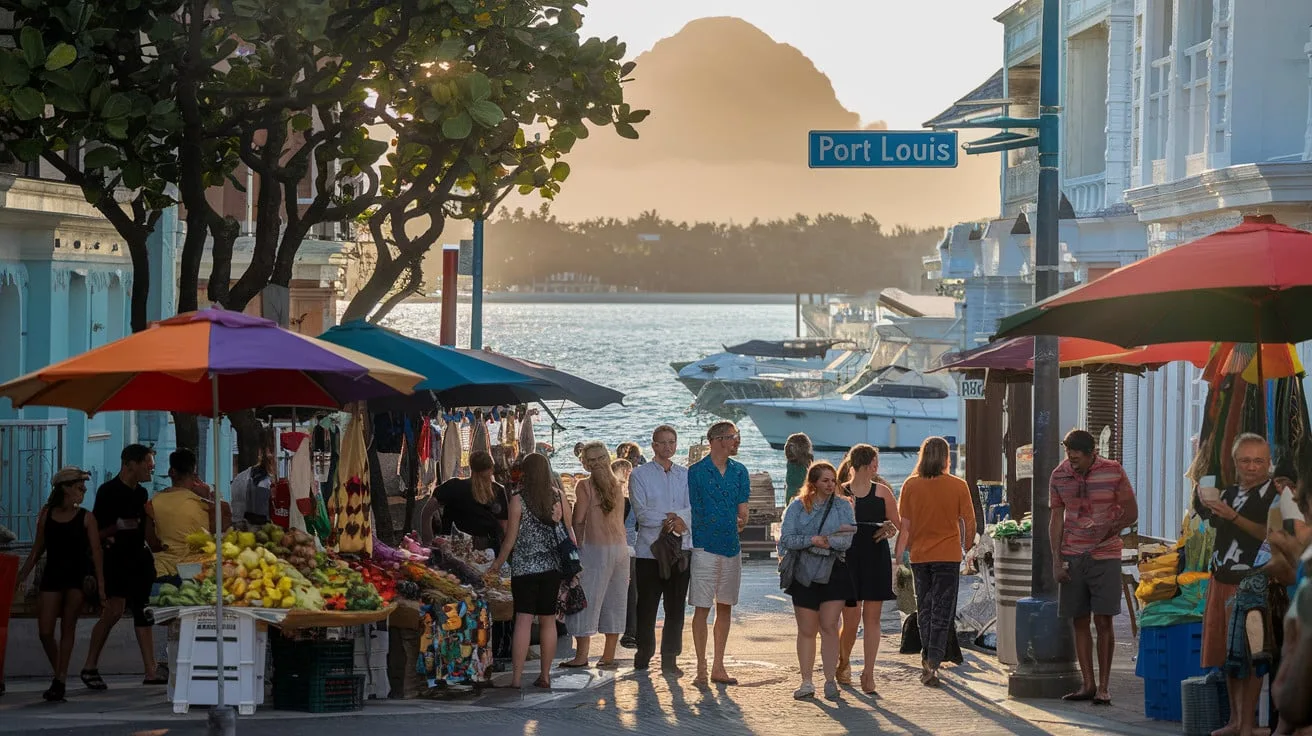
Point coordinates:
[[718, 489]]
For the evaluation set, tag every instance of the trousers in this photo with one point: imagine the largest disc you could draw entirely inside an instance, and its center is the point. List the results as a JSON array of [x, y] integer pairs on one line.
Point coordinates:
[[936, 599], [651, 590]]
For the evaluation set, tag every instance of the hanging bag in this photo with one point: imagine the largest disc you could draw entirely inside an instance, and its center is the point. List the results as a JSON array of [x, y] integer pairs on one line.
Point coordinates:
[[566, 550], [804, 566]]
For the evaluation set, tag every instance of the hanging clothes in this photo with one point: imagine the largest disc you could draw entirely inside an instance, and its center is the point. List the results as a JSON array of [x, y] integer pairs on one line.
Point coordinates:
[[428, 453], [300, 478], [351, 498], [450, 451], [480, 440], [527, 442]]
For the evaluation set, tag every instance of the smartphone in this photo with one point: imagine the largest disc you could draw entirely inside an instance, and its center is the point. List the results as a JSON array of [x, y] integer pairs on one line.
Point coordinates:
[[1289, 527]]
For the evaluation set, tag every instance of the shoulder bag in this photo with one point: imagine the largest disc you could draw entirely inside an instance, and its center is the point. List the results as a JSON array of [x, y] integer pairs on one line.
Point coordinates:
[[806, 566], [566, 550]]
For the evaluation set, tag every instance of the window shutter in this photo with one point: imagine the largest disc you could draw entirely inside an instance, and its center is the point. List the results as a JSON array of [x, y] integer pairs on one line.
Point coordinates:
[[1104, 399]]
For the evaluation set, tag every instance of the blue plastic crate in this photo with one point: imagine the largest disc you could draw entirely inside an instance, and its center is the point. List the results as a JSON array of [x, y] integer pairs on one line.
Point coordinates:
[[1168, 655]]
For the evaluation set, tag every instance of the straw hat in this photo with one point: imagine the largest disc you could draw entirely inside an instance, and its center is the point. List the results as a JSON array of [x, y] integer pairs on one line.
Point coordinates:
[[69, 474]]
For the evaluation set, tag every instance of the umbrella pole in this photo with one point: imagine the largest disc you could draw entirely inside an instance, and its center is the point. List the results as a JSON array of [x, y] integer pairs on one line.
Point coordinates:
[[222, 721], [1261, 384]]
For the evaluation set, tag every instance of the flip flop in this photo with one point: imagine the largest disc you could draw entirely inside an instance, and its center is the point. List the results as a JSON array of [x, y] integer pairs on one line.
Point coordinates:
[[544, 684], [701, 683], [93, 680], [611, 665], [1079, 695], [155, 681], [725, 680], [1102, 701], [567, 665]]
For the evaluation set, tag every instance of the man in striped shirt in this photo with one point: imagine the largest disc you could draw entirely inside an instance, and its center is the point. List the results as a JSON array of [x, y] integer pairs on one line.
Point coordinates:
[[1091, 501]]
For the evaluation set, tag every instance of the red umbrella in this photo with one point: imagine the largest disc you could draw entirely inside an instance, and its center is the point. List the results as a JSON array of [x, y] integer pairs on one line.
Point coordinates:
[[1076, 354]]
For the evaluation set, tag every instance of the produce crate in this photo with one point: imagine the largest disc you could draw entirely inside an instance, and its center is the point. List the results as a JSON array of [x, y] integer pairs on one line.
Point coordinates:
[[194, 677], [311, 659], [331, 694], [1168, 655]]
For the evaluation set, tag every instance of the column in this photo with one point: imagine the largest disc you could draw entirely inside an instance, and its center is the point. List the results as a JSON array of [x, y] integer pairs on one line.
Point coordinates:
[[1120, 103]]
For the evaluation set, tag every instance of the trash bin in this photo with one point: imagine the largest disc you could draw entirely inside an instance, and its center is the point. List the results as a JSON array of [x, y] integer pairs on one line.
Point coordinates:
[[8, 580], [1013, 559]]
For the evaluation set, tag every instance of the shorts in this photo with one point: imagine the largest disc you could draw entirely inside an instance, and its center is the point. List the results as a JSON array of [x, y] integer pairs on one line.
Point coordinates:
[[536, 594], [131, 579], [1094, 588], [839, 588], [714, 579]]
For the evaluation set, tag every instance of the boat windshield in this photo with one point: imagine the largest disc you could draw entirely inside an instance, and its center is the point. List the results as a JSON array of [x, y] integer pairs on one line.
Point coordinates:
[[902, 391]]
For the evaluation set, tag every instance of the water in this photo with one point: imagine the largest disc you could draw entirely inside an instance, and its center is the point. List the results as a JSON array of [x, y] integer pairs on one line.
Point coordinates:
[[629, 347]]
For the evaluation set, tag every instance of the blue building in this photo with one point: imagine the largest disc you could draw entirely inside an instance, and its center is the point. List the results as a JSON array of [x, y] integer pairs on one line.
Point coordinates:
[[65, 288]]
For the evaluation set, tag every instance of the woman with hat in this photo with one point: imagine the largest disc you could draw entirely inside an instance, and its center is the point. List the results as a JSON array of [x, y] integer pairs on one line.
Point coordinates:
[[68, 536]]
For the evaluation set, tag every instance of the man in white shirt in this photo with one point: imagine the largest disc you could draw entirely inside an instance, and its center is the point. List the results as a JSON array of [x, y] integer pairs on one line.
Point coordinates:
[[658, 491]]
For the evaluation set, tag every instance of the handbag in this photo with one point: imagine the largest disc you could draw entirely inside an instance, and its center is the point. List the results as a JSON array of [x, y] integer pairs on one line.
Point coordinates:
[[804, 567], [566, 550], [571, 599]]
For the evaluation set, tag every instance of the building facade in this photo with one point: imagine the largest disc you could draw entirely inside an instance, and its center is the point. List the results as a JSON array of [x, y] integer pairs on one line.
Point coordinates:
[[1179, 117]]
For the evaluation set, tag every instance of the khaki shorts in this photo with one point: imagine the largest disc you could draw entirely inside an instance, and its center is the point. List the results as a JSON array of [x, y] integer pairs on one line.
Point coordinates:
[[715, 579], [1094, 588]]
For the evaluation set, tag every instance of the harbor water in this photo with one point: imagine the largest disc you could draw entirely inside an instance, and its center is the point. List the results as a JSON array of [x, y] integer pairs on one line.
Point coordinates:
[[629, 347]]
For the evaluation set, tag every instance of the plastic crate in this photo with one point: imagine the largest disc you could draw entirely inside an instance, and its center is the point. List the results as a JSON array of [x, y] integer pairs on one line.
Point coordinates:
[[194, 678], [1168, 655], [331, 694], [1205, 705], [312, 659]]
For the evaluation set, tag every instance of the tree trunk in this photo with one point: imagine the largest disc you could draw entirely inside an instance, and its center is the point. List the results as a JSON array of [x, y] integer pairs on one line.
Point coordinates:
[[186, 432], [383, 527], [250, 435]]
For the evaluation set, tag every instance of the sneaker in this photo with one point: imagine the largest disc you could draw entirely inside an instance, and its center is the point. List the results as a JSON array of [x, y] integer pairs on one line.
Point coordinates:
[[831, 690], [805, 691]]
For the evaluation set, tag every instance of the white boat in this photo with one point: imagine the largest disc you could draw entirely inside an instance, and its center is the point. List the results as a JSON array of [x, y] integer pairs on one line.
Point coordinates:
[[763, 369], [893, 408]]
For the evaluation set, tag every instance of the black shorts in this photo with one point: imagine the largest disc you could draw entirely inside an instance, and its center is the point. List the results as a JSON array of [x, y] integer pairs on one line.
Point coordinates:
[[839, 588], [536, 594], [131, 579], [1094, 588]]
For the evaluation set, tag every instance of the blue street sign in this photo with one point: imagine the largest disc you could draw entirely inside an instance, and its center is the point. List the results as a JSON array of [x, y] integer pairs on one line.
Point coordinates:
[[882, 149]]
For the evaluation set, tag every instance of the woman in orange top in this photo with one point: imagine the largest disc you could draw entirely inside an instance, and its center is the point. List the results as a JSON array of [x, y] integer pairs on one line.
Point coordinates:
[[938, 520]]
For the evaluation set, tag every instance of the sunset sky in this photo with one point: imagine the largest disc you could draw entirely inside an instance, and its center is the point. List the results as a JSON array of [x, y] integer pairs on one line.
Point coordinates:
[[888, 60]]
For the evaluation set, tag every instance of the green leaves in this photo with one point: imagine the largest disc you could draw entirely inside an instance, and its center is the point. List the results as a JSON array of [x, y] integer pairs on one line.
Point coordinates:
[[486, 114], [458, 127], [14, 71], [60, 56], [28, 103], [105, 157], [32, 46], [117, 106], [480, 87]]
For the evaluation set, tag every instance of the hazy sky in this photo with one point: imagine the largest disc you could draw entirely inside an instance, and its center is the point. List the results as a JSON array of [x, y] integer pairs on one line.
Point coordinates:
[[894, 60]]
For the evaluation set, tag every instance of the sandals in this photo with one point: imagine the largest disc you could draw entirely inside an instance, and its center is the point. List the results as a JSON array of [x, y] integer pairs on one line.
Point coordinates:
[[1079, 696], [56, 692], [608, 665], [543, 683], [93, 680], [868, 683], [568, 665], [156, 680]]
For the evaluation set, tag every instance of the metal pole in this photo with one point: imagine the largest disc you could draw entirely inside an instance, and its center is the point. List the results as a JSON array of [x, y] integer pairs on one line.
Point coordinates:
[[221, 720], [476, 309], [1045, 642], [450, 266], [799, 314]]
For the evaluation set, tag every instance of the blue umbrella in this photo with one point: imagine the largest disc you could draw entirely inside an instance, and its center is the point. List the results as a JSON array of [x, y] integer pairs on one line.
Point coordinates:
[[455, 378]]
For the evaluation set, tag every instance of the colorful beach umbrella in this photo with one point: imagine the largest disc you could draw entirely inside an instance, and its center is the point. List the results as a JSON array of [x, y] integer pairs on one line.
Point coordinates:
[[168, 367], [210, 362], [1077, 355]]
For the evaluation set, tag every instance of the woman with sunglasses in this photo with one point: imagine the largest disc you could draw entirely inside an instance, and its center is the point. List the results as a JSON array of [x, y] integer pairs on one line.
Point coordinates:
[[70, 540]]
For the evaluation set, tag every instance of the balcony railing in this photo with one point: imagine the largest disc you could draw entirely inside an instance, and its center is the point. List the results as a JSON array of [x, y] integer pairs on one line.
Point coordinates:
[[1087, 194], [1023, 181], [30, 453]]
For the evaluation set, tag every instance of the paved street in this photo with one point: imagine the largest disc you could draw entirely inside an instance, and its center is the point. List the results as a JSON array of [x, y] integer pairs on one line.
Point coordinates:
[[971, 701]]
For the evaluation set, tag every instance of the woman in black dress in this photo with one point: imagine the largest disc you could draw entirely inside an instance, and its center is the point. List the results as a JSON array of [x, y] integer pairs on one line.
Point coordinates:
[[477, 506], [70, 539], [869, 560]]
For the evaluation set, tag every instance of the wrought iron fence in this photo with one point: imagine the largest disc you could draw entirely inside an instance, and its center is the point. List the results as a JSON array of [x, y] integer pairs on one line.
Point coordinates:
[[30, 453]]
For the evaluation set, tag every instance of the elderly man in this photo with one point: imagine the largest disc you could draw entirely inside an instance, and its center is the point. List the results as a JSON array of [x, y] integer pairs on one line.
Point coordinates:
[[1096, 503], [719, 488], [659, 493], [1240, 519]]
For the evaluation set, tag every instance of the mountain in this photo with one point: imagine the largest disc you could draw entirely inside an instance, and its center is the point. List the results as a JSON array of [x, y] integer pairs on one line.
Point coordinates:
[[726, 140]]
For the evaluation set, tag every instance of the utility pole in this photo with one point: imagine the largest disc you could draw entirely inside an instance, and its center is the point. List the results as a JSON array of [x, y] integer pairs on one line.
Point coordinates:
[[1044, 641], [476, 308]]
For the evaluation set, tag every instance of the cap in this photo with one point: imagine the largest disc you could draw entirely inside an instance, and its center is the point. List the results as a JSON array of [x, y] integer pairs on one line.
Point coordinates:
[[69, 474]]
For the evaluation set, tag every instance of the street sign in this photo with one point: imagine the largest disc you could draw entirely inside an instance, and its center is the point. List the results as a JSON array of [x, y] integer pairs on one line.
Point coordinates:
[[972, 389], [882, 149]]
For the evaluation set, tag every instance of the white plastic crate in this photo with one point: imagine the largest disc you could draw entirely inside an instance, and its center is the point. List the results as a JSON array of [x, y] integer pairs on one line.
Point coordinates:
[[371, 645], [377, 684], [193, 679]]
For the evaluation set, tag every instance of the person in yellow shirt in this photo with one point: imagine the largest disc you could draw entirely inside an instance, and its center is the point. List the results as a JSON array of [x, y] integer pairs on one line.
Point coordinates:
[[183, 508]]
